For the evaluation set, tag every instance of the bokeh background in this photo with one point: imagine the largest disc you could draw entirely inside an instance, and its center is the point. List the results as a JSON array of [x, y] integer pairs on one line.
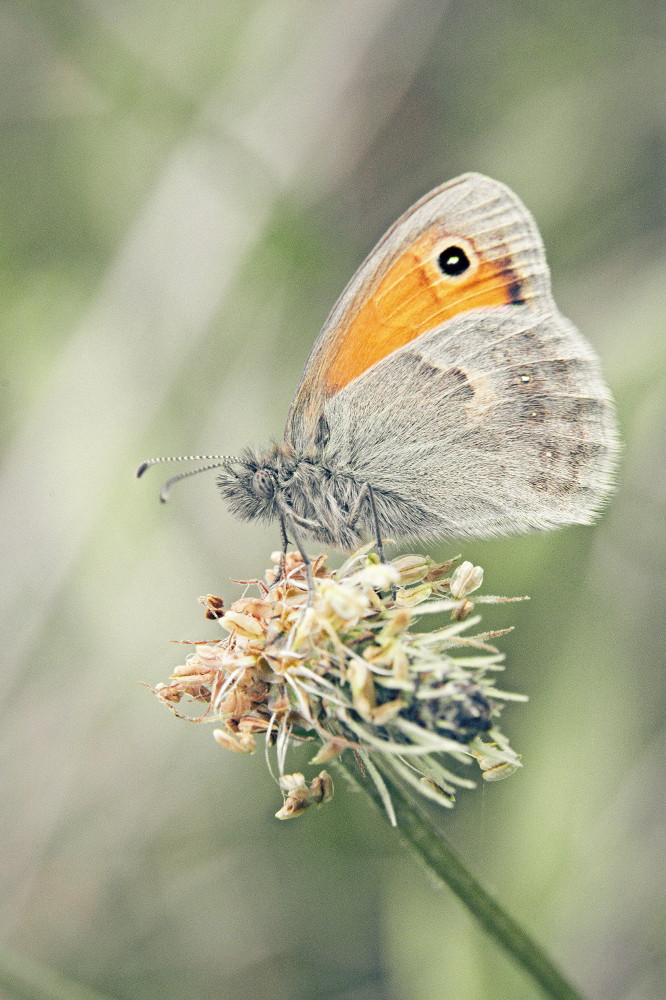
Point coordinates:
[[184, 190]]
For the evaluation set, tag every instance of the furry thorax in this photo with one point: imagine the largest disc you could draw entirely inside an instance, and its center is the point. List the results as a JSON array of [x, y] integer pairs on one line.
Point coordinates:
[[327, 504]]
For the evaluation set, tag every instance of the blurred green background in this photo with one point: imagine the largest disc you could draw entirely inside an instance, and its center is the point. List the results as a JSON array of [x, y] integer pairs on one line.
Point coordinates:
[[185, 189]]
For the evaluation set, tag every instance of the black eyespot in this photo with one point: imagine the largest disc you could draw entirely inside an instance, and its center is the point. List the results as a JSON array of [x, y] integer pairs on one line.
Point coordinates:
[[453, 261]]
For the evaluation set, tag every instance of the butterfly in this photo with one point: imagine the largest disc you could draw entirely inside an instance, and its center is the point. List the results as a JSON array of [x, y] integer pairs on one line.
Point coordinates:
[[445, 396]]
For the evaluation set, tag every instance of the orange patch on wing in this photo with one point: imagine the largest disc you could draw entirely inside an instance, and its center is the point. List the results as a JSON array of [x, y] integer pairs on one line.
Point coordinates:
[[412, 297]]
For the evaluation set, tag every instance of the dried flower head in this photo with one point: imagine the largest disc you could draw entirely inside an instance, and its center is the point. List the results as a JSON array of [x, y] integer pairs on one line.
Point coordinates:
[[349, 671]]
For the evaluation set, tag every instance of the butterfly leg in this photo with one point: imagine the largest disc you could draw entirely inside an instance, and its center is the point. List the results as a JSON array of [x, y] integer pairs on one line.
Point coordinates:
[[284, 540], [366, 495], [288, 517]]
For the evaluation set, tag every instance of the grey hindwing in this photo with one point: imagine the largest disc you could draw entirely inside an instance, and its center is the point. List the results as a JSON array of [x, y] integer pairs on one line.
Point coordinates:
[[497, 422]]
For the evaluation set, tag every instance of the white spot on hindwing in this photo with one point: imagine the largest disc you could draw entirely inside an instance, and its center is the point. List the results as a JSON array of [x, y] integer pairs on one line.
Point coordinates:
[[483, 400]]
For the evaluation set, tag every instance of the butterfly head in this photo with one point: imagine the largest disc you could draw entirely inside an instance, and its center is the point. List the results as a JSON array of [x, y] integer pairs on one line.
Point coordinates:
[[300, 491], [255, 485]]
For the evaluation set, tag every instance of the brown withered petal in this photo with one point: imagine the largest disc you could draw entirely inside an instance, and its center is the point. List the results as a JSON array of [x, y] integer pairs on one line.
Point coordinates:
[[462, 611], [231, 742], [214, 606]]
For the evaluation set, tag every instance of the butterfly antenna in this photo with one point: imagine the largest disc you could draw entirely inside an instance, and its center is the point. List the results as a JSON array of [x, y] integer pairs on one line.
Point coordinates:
[[218, 461], [182, 458]]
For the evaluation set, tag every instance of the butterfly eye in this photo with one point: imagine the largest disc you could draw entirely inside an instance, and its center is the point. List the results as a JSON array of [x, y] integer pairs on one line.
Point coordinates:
[[453, 261], [263, 484]]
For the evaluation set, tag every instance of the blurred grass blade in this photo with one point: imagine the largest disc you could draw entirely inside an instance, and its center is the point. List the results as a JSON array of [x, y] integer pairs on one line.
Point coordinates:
[[25, 979]]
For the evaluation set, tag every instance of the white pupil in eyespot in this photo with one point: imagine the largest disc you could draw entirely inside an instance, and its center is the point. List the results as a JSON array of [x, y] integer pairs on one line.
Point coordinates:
[[453, 261]]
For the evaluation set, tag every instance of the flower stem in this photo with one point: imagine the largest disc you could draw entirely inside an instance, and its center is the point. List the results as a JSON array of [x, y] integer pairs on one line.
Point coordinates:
[[417, 832]]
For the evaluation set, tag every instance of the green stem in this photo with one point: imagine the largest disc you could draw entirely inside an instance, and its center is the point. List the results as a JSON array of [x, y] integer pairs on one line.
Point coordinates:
[[22, 978], [417, 832]]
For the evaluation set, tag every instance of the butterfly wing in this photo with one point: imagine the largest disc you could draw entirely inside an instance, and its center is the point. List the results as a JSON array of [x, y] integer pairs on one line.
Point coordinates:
[[408, 285], [494, 423], [467, 401]]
